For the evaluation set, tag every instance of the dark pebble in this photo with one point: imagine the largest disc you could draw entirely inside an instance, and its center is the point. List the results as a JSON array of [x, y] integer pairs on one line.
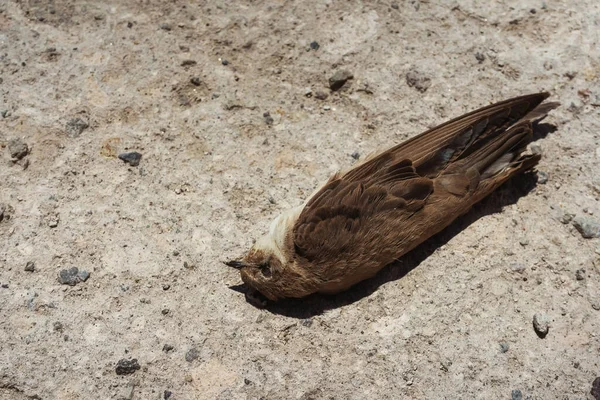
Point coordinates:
[[187, 63], [580, 274], [355, 155], [516, 395], [75, 127], [587, 227], [196, 81], [57, 326], [395, 6], [480, 57], [5, 286], [126, 367], [167, 394], [314, 45], [17, 148], [167, 348], [224, 62], [133, 158], [192, 354], [418, 80], [596, 388], [166, 27], [247, 381], [503, 347], [72, 276], [30, 266], [268, 119], [166, 286], [321, 95], [130, 24], [165, 311], [338, 79]]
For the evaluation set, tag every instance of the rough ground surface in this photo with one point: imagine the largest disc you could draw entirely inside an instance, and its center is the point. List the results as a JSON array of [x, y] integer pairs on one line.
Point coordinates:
[[83, 81]]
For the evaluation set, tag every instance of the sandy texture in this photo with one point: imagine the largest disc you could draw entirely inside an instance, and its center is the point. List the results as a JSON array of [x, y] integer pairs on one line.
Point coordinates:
[[231, 109]]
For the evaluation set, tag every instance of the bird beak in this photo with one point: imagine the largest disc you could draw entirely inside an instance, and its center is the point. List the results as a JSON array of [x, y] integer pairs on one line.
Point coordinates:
[[235, 264]]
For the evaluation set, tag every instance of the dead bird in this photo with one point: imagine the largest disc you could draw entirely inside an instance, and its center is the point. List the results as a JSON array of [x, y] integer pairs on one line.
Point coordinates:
[[367, 217]]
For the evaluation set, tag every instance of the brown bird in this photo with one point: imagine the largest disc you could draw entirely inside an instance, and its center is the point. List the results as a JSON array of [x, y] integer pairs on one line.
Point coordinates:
[[366, 218]]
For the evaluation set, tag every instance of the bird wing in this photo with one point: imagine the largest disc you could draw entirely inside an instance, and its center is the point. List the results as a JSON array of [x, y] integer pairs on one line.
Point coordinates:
[[372, 203]]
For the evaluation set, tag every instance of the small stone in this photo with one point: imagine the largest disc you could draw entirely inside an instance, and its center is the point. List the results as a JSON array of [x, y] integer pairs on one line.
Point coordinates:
[[130, 24], [307, 322], [516, 395], [166, 286], [268, 119], [355, 155], [339, 78], [320, 95], [224, 62], [308, 92], [132, 158], [541, 324], [596, 305], [536, 148], [192, 354], [445, 364], [503, 347], [30, 266], [17, 148], [524, 242], [542, 177], [580, 274], [53, 221], [75, 127], [188, 63], [165, 311], [395, 6], [326, 107], [166, 27], [596, 388], [126, 367], [247, 381], [2, 211], [5, 113], [57, 326], [566, 218], [418, 80], [480, 57], [196, 81], [72, 276], [167, 394], [587, 227], [188, 265], [167, 348], [314, 45], [517, 267]]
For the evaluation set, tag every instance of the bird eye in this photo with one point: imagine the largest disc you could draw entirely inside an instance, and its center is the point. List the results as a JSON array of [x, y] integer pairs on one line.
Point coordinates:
[[265, 269]]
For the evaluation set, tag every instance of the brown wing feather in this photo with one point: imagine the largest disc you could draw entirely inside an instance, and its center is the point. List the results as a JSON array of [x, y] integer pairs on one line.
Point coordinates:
[[372, 203]]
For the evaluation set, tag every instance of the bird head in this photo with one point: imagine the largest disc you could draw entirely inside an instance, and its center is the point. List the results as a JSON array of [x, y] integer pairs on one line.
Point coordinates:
[[269, 267]]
